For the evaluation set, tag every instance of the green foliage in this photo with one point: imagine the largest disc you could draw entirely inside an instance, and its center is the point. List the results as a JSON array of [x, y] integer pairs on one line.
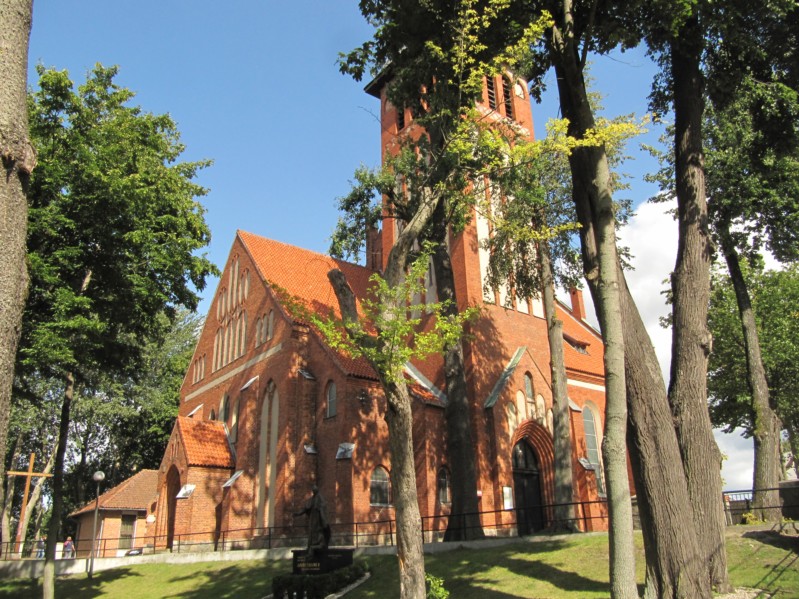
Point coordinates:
[[775, 295], [395, 327], [115, 231], [114, 226], [435, 587], [750, 518]]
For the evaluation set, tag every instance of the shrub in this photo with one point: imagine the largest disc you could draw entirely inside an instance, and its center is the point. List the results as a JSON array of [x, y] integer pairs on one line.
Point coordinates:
[[750, 518], [435, 587]]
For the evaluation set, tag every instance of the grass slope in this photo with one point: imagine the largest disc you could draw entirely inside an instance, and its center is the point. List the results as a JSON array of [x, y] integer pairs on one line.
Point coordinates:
[[571, 567]]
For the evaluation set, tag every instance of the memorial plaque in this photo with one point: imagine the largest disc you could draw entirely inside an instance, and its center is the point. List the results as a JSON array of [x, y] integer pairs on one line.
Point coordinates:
[[320, 561]]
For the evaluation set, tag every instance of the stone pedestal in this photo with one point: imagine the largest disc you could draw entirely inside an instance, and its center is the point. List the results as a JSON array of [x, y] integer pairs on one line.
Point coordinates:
[[320, 561]]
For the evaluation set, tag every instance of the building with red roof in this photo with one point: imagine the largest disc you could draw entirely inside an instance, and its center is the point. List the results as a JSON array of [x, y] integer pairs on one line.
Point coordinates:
[[268, 409], [121, 516]]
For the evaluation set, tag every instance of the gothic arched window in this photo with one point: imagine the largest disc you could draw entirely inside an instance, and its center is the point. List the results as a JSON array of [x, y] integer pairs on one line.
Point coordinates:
[[380, 487]]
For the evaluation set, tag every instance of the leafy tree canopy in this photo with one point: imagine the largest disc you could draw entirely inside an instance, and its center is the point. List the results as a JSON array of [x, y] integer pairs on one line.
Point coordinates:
[[115, 227], [775, 297]]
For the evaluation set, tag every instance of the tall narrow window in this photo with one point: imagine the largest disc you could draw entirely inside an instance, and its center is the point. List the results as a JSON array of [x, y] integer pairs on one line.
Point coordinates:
[[444, 494], [224, 409], [330, 409], [528, 395], [400, 119], [507, 99], [234, 421], [513, 418], [243, 334], [380, 487], [492, 93], [592, 447], [270, 327]]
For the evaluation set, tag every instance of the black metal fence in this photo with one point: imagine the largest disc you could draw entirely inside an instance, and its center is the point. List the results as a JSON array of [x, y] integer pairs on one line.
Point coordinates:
[[497, 523]]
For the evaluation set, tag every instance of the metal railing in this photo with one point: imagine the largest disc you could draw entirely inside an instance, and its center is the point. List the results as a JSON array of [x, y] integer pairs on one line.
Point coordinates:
[[588, 515]]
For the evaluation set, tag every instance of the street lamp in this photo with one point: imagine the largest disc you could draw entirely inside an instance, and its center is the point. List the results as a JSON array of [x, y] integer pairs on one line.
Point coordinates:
[[97, 477]]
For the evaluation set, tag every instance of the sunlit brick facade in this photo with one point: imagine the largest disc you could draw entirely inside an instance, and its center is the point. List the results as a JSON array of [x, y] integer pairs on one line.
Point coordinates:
[[281, 411]]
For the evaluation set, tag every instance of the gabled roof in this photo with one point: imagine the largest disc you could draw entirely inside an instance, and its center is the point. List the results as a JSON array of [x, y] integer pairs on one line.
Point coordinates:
[[591, 362], [205, 442], [133, 494], [303, 275]]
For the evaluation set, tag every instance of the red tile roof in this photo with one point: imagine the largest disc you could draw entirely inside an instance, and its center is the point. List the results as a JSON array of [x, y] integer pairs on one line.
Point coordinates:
[[205, 442], [135, 493], [302, 274]]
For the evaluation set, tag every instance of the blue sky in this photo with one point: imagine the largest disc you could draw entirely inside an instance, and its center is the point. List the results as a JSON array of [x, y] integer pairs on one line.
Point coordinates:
[[254, 86]]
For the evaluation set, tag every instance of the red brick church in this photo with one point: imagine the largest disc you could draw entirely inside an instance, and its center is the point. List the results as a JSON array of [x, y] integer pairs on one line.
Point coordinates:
[[268, 409]]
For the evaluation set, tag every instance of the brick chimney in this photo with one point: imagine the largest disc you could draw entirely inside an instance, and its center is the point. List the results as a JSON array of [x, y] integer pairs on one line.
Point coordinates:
[[578, 308], [374, 249]]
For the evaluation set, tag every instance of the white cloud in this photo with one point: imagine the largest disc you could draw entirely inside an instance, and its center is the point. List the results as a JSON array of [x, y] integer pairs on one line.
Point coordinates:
[[651, 236]]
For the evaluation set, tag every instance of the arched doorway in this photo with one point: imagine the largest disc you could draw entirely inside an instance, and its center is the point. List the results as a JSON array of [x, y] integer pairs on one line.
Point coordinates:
[[172, 490], [527, 489]]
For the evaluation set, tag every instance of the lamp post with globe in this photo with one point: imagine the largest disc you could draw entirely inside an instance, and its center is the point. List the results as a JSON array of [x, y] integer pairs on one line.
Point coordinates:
[[97, 477]]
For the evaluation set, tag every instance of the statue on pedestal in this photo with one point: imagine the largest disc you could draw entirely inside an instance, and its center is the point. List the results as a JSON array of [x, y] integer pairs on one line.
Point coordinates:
[[318, 526]]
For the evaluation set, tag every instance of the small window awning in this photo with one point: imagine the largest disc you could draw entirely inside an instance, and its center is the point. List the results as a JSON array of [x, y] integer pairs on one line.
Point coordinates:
[[344, 451], [185, 492], [248, 383], [229, 482]]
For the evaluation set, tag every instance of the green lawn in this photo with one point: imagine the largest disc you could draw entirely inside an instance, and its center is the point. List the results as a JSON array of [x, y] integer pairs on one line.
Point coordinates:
[[569, 568]]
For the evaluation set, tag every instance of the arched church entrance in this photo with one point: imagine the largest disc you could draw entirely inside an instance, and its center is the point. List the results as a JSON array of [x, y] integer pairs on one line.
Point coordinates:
[[527, 489], [172, 490]]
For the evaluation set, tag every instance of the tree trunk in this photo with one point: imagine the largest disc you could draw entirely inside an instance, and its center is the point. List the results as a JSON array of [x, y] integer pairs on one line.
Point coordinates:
[[464, 518], [591, 179], [673, 568], [691, 340], [54, 530], [410, 553], [36, 493], [7, 500], [766, 424], [18, 159], [564, 478]]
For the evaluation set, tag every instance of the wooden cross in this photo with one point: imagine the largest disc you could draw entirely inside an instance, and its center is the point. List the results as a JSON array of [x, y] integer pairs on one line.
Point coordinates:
[[29, 474]]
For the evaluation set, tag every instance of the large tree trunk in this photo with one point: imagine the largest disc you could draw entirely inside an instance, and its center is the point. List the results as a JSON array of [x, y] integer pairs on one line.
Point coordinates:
[[410, 550], [591, 179], [766, 424], [54, 530], [672, 555], [464, 518], [7, 500], [410, 553], [691, 340], [673, 566], [18, 159], [564, 478]]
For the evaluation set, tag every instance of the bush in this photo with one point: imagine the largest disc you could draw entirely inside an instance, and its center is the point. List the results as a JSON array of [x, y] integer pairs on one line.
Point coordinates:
[[316, 586], [435, 587], [750, 518]]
